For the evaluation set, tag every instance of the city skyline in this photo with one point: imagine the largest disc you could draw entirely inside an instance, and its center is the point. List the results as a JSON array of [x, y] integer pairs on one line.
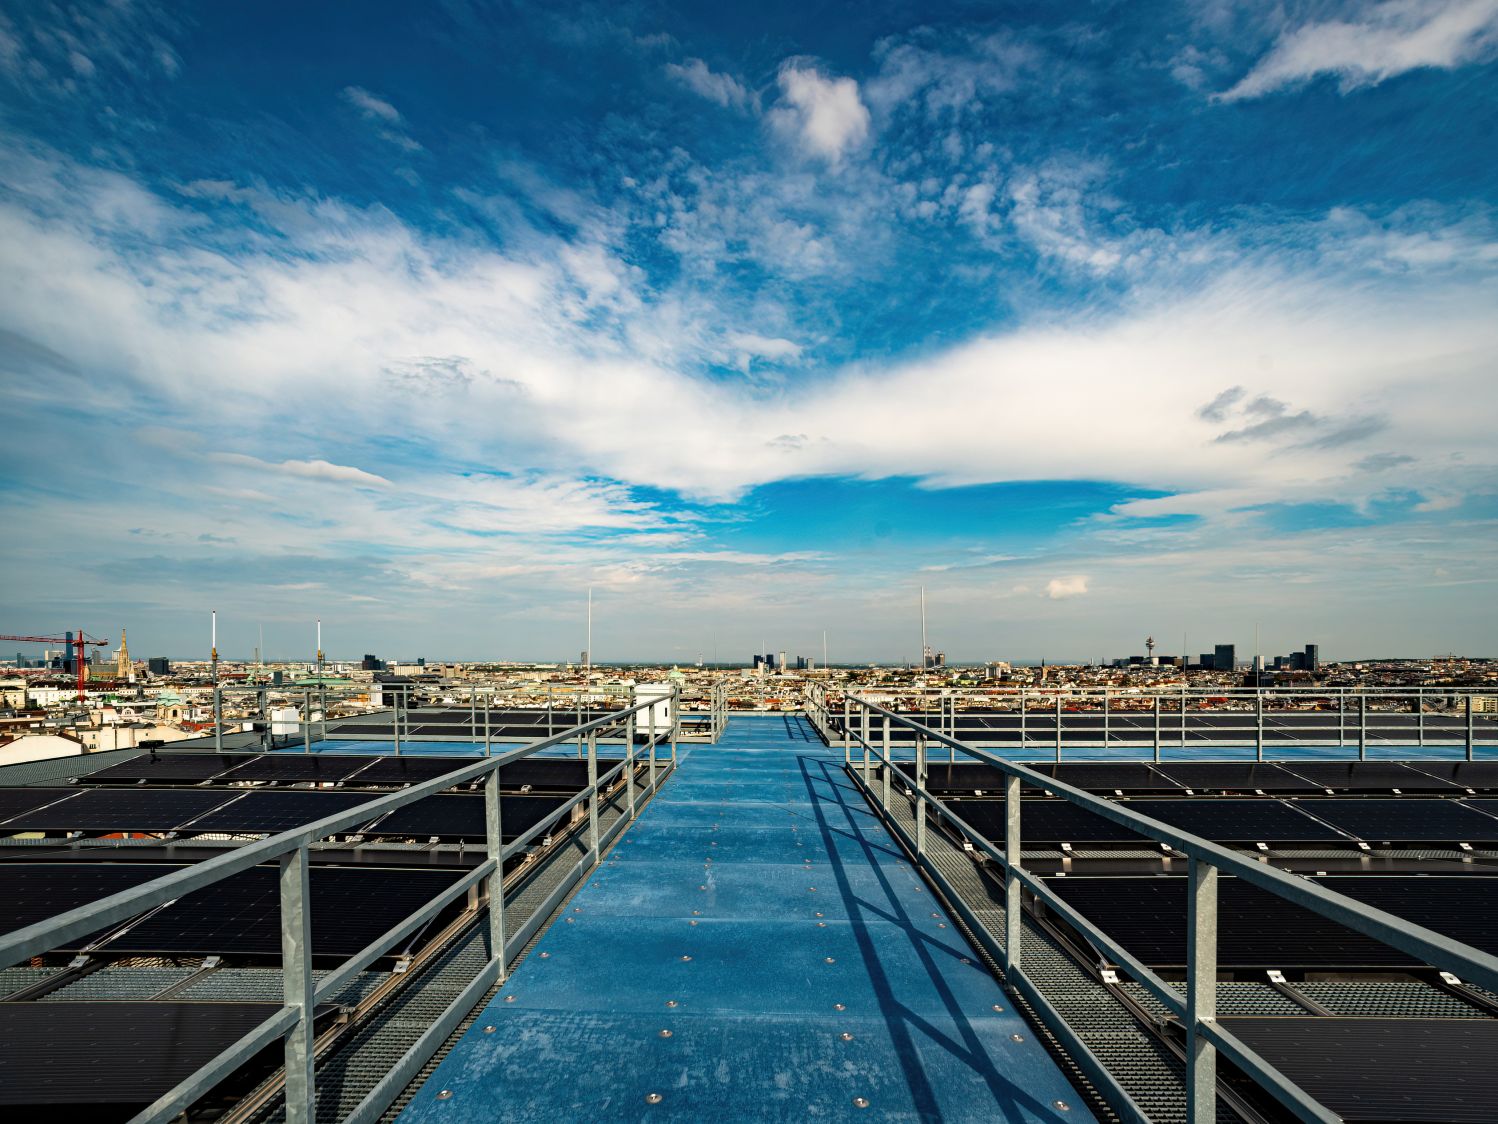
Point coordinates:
[[1097, 324]]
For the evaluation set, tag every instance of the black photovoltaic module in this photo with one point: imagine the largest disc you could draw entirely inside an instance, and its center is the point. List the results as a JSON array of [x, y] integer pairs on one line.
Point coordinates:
[[1233, 776], [299, 768], [1242, 820], [121, 809], [462, 817], [1109, 776], [350, 907], [1042, 821], [96, 1056], [169, 768], [1368, 776], [32, 892], [1384, 1070], [276, 811], [14, 801], [1407, 820], [1257, 929]]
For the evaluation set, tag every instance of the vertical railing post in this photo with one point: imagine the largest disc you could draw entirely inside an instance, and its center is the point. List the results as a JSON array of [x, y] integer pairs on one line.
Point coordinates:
[[675, 721], [1363, 727], [866, 763], [888, 758], [488, 737], [307, 719], [1058, 727], [395, 720], [1183, 710], [593, 797], [1013, 861], [629, 763], [847, 720], [1470, 728], [920, 796], [494, 836], [1420, 721], [1157, 729], [297, 986], [951, 727], [1105, 717], [651, 743], [1258, 723], [218, 718], [1024, 710], [1341, 717], [1201, 992]]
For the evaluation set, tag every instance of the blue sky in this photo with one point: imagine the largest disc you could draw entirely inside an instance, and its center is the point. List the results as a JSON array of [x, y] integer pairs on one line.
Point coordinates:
[[1096, 320]]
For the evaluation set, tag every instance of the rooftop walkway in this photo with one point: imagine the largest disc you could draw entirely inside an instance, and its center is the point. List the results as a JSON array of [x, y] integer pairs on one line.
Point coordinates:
[[756, 947]]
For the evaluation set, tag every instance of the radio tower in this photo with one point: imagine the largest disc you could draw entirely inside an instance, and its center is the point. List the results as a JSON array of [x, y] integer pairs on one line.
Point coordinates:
[[1149, 646]]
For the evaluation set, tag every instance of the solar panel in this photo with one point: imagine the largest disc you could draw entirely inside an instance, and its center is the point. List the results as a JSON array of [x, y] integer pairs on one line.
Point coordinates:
[[1255, 928], [1230, 776], [404, 770], [462, 817], [350, 906], [32, 892], [14, 801], [1404, 820], [1242, 820], [1042, 821], [117, 809], [1461, 906], [277, 811], [1481, 776], [1368, 776], [1376, 1070], [298, 768], [1110, 776], [168, 768], [111, 1054], [964, 776]]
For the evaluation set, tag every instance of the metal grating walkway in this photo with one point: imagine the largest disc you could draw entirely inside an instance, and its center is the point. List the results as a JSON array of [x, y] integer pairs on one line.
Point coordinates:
[[756, 947]]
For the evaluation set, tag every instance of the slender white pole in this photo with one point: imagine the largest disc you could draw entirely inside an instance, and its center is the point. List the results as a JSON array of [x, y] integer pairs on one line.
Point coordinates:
[[924, 647], [588, 652]]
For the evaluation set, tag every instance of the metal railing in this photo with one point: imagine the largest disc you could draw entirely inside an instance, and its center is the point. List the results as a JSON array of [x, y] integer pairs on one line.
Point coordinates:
[[1047, 721], [1196, 1008], [293, 1022]]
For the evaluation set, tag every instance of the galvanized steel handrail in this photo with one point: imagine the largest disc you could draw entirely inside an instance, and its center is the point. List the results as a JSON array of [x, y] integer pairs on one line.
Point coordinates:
[[294, 1019], [1196, 1009]]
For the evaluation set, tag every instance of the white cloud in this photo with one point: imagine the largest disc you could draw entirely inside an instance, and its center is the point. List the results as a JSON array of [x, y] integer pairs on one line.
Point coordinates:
[[1074, 585], [724, 89], [1384, 40], [824, 116], [749, 347], [309, 470], [378, 111]]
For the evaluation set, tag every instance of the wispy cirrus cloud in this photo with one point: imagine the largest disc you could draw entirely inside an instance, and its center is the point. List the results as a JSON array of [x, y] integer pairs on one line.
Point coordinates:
[[1375, 43], [713, 85], [379, 112]]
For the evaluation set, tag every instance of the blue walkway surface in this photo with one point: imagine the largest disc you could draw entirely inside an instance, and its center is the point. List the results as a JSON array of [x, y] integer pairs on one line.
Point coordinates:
[[756, 947]]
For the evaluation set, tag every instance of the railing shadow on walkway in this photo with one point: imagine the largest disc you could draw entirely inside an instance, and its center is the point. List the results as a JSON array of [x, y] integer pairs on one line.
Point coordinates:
[[845, 804]]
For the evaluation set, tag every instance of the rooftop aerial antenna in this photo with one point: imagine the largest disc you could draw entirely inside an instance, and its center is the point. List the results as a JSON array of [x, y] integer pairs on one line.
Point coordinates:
[[319, 647], [588, 651], [218, 726]]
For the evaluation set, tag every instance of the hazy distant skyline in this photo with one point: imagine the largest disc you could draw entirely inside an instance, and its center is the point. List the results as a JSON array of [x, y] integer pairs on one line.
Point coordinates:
[[1098, 321]]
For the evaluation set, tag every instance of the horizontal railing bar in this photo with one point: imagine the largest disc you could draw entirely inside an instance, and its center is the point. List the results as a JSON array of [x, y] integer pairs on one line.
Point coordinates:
[[1429, 946], [342, 976], [42, 936]]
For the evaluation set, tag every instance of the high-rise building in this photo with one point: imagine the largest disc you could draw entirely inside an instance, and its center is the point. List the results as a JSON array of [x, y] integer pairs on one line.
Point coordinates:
[[1313, 657], [159, 665], [372, 663], [1208, 661], [1225, 657]]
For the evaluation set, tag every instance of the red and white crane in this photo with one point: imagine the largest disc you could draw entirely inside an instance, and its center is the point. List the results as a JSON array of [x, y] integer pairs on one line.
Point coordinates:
[[80, 643]]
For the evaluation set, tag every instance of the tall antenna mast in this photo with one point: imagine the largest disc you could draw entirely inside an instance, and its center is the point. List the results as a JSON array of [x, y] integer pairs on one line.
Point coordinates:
[[218, 726], [588, 651], [925, 648]]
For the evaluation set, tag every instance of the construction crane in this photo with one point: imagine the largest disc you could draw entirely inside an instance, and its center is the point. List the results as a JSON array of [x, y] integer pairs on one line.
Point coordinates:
[[79, 642]]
